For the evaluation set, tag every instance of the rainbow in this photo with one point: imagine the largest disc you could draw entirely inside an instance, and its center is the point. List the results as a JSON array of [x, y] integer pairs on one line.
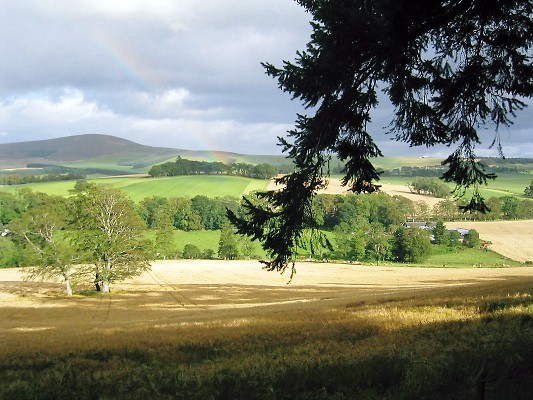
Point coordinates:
[[125, 59], [134, 67]]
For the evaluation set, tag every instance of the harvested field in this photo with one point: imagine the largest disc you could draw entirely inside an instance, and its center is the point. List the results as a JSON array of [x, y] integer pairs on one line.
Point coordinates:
[[335, 187], [38, 318], [512, 239]]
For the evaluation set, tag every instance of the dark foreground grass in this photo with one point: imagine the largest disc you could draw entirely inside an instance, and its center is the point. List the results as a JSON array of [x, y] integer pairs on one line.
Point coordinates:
[[454, 345]]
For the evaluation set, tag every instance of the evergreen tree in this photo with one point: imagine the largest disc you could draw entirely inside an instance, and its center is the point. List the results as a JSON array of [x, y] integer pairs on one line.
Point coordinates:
[[449, 68]]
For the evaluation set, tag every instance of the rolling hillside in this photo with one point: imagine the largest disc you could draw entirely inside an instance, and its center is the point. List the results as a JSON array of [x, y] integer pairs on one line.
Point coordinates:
[[75, 149], [105, 151], [110, 152]]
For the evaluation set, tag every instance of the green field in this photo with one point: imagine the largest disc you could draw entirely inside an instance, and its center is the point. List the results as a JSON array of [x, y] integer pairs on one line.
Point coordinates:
[[503, 185], [137, 188], [204, 240], [389, 163], [463, 257]]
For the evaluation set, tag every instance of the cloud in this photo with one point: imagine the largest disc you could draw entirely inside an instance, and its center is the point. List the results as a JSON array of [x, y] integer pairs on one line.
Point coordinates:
[[183, 74], [166, 121]]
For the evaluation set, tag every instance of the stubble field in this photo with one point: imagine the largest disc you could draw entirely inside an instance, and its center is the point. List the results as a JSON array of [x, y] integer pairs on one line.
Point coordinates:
[[512, 239], [230, 330], [37, 317]]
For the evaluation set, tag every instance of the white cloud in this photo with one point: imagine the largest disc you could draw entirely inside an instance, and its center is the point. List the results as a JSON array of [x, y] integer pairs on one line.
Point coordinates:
[[183, 127], [179, 73]]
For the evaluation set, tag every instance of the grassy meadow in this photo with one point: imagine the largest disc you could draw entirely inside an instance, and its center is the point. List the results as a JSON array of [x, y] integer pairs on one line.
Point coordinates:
[[503, 185], [206, 239], [454, 342], [137, 188], [464, 257]]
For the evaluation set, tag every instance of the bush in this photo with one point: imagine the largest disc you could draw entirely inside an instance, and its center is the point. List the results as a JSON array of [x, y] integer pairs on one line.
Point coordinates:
[[191, 251]]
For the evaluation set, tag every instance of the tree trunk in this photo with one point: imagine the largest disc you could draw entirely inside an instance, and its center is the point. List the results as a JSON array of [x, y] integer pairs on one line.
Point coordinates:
[[67, 284], [105, 280]]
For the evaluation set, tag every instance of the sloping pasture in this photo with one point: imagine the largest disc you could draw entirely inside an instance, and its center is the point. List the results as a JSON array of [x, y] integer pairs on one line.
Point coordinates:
[[137, 188]]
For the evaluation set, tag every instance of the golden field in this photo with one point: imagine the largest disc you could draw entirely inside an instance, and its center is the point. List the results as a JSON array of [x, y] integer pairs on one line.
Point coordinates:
[[37, 317], [230, 330]]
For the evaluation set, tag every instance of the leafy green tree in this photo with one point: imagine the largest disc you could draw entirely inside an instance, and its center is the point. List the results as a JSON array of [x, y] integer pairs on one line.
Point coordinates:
[[342, 233], [351, 242], [212, 213], [446, 210], [10, 255], [495, 205], [208, 254], [111, 231], [390, 210], [324, 209], [454, 239], [379, 243], [181, 214], [449, 69], [228, 245], [411, 245], [151, 210], [53, 253], [509, 207], [9, 209], [246, 247], [430, 186], [439, 233], [529, 190], [165, 246], [471, 239], [191, 252], [525, 209]]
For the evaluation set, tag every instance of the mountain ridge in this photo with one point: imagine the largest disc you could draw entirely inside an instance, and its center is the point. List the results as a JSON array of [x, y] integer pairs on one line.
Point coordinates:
[[89, 147]]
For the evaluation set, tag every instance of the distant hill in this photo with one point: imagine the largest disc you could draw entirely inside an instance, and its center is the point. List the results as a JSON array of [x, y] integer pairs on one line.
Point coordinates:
[[116, 154], [71, 149], [109, 151]]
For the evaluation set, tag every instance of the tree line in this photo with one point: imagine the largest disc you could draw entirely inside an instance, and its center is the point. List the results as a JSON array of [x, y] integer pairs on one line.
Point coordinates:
[[430, 186], [21, 179], [191, 167]]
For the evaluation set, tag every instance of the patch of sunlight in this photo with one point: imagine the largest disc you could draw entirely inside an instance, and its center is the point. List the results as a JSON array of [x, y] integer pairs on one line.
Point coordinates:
[[28, 329]]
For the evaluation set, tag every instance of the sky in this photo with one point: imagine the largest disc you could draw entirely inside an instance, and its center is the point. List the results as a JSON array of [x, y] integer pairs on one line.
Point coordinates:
[[184, 74]]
